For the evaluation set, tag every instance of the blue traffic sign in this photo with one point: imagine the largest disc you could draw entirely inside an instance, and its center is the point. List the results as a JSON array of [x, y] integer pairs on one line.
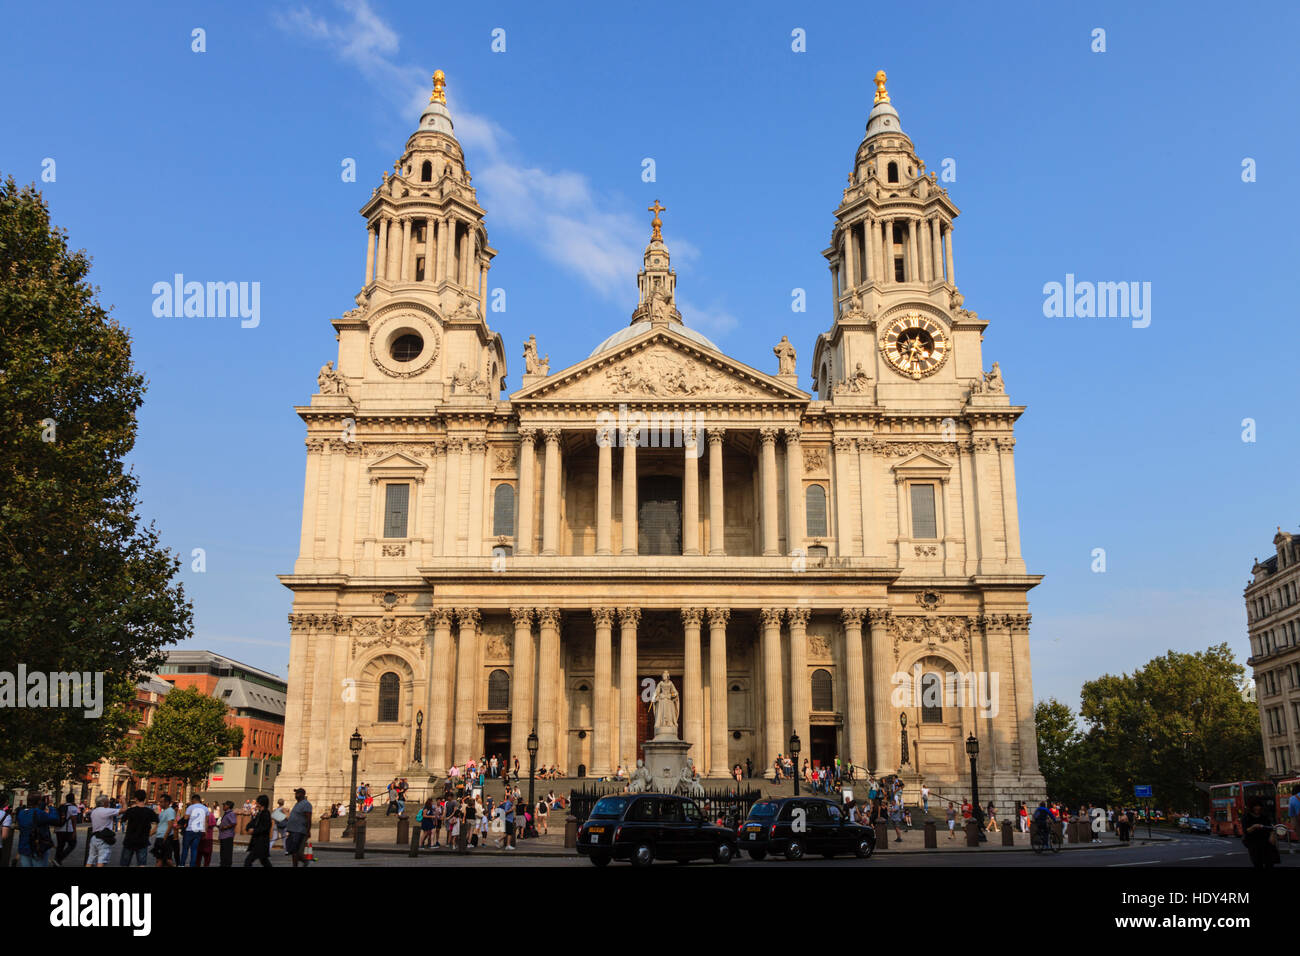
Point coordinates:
[[1141, 791]]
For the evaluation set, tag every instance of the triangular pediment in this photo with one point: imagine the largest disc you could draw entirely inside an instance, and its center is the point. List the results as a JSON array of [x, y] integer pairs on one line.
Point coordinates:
[[656, 366], [923, 463], [395, 464]]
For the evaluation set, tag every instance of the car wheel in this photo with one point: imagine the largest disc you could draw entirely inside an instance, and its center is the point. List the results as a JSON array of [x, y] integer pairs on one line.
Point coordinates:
[[864, 849], [722, 853], [643, 855], [794, 851], [758, 854], [600, 859]]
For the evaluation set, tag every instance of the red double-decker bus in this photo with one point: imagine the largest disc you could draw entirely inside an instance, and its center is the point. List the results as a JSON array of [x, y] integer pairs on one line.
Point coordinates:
[[1228, 801]]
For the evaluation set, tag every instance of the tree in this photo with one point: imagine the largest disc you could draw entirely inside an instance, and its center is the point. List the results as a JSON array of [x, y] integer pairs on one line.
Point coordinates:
[[84, 587], [1068, 758], [189, 733]]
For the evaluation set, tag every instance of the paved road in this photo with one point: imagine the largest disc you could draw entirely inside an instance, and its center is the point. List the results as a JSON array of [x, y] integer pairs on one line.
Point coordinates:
[[1182, 850]]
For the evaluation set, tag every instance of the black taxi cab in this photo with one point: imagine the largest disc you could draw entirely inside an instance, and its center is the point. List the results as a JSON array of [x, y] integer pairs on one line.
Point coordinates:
[[795, 826], [643, 827]]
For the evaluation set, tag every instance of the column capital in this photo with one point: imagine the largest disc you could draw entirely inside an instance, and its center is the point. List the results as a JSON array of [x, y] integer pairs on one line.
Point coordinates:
[[793, 433], [767, 436], [548, 617], [468, 617], [552, 436], [844, 444], [605, 435], [798, 616], [629, 616], [478, 443], [718, 616], [631, 437], [771, 616], [853, 616], [527, 435], [690, 440], [881, 615], [523, 616], [603, 616], [692, 616], [716, 435], [440, 617]]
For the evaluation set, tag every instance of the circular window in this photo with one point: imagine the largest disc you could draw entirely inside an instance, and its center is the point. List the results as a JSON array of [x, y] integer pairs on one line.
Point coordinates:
[[406, 347]]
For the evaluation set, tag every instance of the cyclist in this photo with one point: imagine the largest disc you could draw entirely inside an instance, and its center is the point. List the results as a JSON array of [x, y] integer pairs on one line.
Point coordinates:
[[1042, 823]]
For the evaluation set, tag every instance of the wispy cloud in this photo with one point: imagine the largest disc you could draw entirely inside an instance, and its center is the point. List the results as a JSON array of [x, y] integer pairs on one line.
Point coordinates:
[[593, 236]]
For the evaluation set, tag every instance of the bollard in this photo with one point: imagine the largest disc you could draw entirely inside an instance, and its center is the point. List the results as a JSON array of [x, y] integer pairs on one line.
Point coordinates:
[[1056, 829], [415, 842], [570, 832], [972, 833], [323, 831], [931, 836], [360, 852], [1008, 836], [882, 836], [403, 829]]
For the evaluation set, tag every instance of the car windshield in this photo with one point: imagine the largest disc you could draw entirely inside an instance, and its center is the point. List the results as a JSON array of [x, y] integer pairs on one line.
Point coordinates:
[[763, 810], [609, 808]]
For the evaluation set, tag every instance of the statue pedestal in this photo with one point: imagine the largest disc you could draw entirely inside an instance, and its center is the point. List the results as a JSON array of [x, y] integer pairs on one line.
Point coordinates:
[[666, 758]]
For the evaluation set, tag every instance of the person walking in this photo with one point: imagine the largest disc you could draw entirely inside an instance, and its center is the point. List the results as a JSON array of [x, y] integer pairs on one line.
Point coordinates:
[[1257, 834], [164, 844], [280, 817], [925, 799], [259, 828], [102, 837], [66, 835], [138, 822], [196, 823], [952, 821], [226, 833], [33, 823], [298, 827], [992, 814]]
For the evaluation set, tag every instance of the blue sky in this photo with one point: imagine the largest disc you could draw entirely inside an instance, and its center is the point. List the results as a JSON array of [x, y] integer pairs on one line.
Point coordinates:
[[1117, 166]]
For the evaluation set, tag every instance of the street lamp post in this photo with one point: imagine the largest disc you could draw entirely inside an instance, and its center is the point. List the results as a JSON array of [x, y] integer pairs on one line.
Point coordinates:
[[973, 750], [532, 772], [794, 757], [354, 744]]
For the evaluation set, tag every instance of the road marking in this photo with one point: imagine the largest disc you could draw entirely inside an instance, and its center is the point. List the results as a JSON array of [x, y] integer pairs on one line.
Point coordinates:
[[1206, 857], [1138, 863]]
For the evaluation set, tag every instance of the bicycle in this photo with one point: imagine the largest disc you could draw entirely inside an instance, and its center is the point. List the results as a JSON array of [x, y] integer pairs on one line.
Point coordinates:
[[1044, 838]]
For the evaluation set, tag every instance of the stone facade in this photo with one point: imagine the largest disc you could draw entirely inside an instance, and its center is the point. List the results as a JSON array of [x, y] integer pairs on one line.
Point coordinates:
[[1273, 619], [475, 566]]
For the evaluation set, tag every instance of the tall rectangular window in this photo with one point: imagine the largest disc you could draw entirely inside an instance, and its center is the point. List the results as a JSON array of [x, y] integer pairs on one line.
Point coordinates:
[[923, 519], [397, 501]]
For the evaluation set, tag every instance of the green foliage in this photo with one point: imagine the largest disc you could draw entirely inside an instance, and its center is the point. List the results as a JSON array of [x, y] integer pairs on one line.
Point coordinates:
[[188, 735], [83, 586]]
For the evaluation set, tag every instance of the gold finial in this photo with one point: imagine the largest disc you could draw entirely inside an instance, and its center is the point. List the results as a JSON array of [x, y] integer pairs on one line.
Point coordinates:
[[882, 96], [656, 224], [439, 94]]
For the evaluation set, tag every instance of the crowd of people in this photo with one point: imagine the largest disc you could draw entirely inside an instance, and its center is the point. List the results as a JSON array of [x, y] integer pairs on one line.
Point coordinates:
[[468, 819]]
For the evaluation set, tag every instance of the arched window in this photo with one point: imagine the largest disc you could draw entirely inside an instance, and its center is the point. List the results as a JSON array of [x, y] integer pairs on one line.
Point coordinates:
[[390, 694], [932, 698], [503, 510], [815, 511], [498, 690], [893, 172], [822, 698], [426, 172]]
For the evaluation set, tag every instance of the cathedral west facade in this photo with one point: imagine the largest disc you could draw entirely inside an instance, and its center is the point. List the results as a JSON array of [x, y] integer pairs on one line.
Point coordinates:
[[477, 566]]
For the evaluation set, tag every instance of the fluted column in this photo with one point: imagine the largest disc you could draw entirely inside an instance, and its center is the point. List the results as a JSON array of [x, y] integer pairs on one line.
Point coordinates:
[[795, 524], [1010, 510], [548, 689], [773, 705], [451, 496], [370, 254], [467, 620], [952, 275], [604, 488], [630, 439], [856, 718], [439, 695], [767, 469], [871, 545], [887, 251], [693, 678], [717, 526], [691, 494], [1026, 734], [850, 263], [628, 693], [843, 489], [882, 724], [477, 494], [718, 729], [551, 494], [521, 681], [383, 247], [913, 253], [404, 267], [936, 247], [835, 292], [527, 464], [982, 465], [800, 704], [869, 269], [430, 251], [600, 742], [466, 252], [447, 249]]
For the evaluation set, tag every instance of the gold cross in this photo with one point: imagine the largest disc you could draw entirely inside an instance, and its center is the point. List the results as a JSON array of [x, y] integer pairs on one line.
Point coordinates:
[[656, 224]]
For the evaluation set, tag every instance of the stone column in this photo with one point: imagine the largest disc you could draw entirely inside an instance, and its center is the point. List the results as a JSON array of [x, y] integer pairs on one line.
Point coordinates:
[[800, 705], [466, 246], [767, 474], [383, 248], [1010, 510], [870, 529], [549, 691], [717, 521], [604, 488], [467, 620], [718, 729], [856, 718], [527, 464], [630, 438], [952, 276], [430, 251], [551, 494], [882, 725], [370, 254], [1026, 732], [887, 251], [982, 465], [843, 502], [600, 742], [773, 704], [451, 498], [795, 523], [404, 267], [913, 257], [477, 494], [692, 695], [850, 270], [521, 681], [439, 696], [691, 494], [629, 696], [447, 249], [936, 243], [835, 292]]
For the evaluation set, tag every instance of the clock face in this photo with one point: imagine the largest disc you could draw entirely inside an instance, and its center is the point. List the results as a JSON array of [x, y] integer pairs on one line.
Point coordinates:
[[915, 345]]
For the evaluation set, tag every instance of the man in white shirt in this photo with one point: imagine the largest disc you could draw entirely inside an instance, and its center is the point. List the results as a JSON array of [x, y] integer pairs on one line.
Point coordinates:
[[196, 824]]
